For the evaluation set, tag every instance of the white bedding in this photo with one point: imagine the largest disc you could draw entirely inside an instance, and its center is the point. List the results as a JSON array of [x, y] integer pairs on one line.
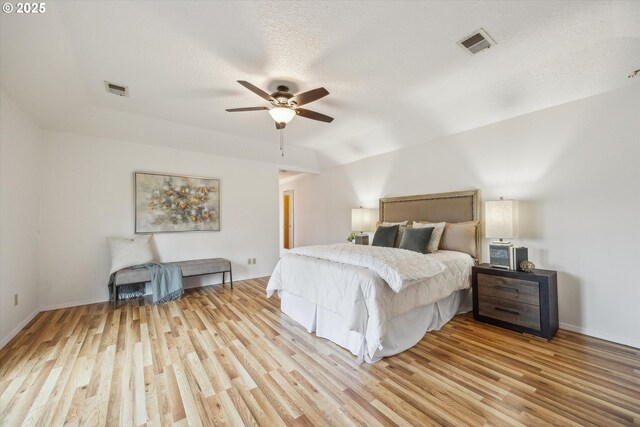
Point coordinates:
[[399, 268], [403, 332], [360, 296]]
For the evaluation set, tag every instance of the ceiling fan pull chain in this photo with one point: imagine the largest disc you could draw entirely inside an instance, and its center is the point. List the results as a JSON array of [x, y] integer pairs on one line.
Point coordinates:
[[282, 142]]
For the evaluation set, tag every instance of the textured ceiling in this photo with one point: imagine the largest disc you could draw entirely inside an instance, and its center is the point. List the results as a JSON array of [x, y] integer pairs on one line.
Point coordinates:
[[395, 73]]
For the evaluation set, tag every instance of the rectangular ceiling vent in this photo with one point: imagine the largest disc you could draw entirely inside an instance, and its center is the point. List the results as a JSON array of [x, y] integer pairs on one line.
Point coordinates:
[[116, 89], [476, 42]]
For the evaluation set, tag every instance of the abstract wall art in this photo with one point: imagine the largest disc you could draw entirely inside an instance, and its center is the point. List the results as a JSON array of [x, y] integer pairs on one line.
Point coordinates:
[[170, 203]]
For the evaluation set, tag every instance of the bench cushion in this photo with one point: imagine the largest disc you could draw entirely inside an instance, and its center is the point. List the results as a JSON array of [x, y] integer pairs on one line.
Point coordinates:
[[195, 267], [132, 275], [204, 266]]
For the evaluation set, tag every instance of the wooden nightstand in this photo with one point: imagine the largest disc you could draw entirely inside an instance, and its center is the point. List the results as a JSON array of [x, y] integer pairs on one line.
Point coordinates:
[[523, 302]]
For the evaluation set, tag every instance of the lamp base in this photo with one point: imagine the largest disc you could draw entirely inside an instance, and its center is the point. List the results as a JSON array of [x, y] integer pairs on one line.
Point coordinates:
[[362, 239], [500, 254]]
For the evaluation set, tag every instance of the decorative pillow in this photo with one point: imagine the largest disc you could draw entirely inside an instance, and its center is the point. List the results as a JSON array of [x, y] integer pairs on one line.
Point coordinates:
[[389, 224], [461, 237], [402, 224], [385, 236], [401, 229], [438, 229], [127, 252], [416, 239]]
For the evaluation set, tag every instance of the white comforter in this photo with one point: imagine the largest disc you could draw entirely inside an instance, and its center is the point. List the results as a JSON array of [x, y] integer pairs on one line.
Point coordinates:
[[399, 268], [360, 296]]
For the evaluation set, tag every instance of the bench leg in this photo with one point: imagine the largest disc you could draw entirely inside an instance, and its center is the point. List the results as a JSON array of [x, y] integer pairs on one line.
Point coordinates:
[[115, 296], [231, 278]]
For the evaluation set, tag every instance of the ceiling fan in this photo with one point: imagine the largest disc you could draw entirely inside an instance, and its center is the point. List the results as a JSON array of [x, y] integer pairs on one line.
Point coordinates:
[[285, 105]]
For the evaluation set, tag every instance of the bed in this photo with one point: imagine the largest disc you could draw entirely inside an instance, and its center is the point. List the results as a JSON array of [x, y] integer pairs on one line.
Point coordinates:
[[377, 302]]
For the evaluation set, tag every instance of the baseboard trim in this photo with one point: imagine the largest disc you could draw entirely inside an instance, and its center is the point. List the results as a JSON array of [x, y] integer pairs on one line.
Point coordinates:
[[71, 304], [4, 341], [601, 335], [98, 301]]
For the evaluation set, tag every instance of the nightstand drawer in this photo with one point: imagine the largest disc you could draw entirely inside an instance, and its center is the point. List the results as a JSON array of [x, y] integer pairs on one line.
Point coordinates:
[[518, 313], [506, 288]]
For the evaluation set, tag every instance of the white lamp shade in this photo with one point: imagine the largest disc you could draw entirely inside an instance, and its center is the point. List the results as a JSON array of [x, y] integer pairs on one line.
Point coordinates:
[[282, 114], [501, 219], [361, 220]]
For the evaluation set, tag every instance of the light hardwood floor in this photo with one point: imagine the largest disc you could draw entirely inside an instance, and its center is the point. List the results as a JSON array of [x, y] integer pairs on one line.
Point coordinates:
[[222, 357]]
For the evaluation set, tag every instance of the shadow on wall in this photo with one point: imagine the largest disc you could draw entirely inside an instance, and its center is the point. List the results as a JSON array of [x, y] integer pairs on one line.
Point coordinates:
[[530, 229], [570, 291], [530, 218]]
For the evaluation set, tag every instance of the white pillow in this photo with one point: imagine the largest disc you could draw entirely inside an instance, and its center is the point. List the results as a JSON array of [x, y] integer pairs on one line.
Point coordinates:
[[127, 252], [438, 229]]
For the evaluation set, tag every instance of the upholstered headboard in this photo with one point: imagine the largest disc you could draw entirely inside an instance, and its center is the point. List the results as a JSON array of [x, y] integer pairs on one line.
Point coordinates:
[[457, 206]]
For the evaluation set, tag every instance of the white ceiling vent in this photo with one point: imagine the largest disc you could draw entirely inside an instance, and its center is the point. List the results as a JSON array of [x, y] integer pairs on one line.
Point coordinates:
[[476, 42], [116, 89]]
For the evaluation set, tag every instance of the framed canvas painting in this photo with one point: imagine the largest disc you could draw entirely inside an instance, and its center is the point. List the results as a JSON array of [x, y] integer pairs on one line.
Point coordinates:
[[171, 203]]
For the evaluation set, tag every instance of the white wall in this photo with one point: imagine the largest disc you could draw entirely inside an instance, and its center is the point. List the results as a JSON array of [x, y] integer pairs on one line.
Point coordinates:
[[88, 194], [20, 187], [576, 170]]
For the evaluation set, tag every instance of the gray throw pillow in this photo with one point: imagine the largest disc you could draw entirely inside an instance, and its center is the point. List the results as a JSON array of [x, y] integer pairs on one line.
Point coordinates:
[[416, 239], [385, 236]]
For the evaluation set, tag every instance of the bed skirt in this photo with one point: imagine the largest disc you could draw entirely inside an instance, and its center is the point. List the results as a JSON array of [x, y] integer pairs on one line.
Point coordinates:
[[403, 332]]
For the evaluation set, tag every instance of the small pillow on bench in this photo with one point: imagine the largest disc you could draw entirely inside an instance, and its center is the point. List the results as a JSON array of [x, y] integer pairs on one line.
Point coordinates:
[[127, 252]]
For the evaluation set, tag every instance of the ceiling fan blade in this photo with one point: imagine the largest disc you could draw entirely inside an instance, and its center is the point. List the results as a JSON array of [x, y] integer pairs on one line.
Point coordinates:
[[235, 110], [310, 96], [313, 115], [256, 90], [280, 125]]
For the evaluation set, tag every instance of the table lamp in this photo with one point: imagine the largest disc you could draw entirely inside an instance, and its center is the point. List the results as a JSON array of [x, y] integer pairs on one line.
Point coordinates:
[[361, 223]]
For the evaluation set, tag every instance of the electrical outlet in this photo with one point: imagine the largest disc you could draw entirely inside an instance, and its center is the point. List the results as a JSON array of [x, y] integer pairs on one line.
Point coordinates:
[[15, 299], [249, 261]]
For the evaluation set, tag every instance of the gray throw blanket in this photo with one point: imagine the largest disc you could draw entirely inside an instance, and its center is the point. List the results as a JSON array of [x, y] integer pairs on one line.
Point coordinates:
[[166, 282]]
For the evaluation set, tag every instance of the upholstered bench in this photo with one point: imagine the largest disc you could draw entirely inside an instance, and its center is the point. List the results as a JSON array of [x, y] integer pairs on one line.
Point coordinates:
[[197, 267]]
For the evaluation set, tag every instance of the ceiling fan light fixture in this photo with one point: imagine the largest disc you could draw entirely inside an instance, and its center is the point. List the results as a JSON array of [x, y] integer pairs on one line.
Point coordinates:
[[282, 114]]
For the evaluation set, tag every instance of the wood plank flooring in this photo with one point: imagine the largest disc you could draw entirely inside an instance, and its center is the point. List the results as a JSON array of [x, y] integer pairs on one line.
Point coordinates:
[[222, 357]]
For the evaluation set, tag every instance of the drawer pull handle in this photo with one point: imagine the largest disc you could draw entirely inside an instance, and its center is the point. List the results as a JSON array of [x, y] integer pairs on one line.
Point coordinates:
[[506, 288], [507, 311]]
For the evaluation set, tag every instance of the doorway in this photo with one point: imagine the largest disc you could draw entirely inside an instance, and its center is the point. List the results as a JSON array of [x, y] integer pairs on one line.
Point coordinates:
[[287, 210]]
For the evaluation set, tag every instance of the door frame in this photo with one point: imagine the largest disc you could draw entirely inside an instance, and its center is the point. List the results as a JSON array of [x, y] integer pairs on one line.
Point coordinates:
[[290, 243]]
